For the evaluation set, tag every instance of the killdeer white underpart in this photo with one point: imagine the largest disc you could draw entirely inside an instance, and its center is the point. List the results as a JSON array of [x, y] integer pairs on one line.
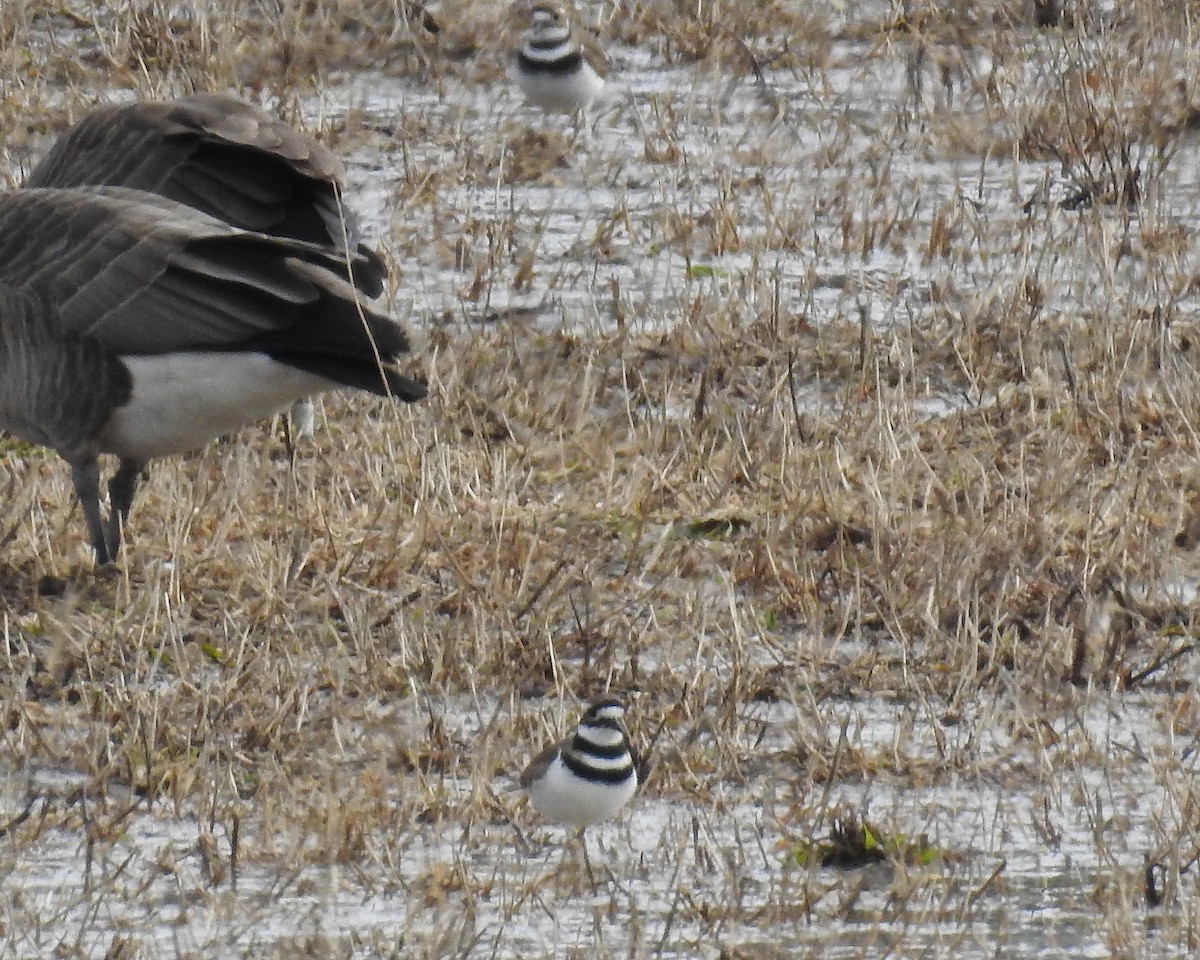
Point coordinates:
[[587, 777]]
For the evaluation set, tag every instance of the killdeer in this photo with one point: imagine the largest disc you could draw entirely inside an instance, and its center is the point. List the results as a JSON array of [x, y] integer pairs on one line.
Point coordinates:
[[557, 67], [587, 777]]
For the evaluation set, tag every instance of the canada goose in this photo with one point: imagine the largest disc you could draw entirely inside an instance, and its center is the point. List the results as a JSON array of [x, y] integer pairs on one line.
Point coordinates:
[[227, 158], [137, 326], [220, 155]]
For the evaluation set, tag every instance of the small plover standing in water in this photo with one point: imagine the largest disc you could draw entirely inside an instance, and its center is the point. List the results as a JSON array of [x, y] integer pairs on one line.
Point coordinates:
[[587, 777], [557, 67]]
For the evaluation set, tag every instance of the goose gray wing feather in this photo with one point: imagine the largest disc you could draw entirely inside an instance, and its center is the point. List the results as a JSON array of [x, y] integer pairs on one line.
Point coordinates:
[[219, 155], [141, 274], [213, 152]]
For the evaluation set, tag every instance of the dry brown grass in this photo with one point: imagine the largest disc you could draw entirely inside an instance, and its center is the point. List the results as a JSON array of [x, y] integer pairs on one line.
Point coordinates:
[[746, 492]]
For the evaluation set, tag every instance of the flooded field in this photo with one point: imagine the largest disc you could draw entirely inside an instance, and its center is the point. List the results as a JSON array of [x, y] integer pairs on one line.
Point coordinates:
[[1035, 850], [828, 393]]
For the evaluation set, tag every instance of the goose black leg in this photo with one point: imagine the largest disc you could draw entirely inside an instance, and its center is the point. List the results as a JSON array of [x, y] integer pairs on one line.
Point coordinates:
[[121, 489], [85, 475]]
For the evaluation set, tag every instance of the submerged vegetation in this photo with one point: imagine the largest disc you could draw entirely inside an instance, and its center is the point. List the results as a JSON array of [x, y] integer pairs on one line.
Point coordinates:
[[832, 396]]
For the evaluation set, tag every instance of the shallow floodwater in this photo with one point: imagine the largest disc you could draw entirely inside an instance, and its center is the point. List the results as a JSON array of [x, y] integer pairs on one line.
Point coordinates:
[[831, 186], [1030, 863]]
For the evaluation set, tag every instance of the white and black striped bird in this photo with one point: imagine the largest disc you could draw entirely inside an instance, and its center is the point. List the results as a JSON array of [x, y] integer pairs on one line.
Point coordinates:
[[587, 777], [557, 67]]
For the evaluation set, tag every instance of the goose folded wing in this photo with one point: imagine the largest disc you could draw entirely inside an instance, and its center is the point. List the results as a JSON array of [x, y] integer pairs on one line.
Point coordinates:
[[141, 275], [219, 155]]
